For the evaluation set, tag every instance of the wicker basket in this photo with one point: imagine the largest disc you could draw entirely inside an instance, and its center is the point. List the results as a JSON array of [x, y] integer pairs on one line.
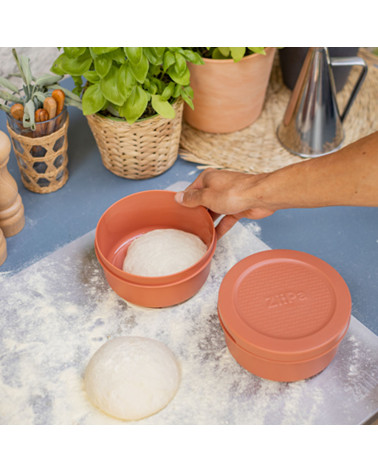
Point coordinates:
[[42, 160], [139, 151]]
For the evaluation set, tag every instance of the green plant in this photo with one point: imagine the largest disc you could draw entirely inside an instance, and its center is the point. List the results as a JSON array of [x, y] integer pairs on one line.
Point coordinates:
[[228, 53], [33, 92], [129, 82]]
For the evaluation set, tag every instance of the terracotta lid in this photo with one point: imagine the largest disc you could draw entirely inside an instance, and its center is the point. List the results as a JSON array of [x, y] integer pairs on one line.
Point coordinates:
[[284, 305]]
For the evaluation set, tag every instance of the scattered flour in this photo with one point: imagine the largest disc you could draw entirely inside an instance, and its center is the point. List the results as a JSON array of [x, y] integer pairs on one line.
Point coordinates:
[[58, 312]]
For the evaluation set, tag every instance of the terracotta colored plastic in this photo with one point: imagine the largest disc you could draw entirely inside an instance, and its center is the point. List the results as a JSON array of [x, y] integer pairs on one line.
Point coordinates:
[[284, 314], [3, 248], [228, 96], [139, 213], [12, 218]]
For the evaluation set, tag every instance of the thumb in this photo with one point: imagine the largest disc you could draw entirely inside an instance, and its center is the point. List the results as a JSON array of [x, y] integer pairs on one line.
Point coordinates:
[[190, 197]]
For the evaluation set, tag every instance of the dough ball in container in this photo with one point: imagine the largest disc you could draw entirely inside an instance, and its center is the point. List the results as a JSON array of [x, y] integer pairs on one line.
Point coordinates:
[[163, 252], [131, 378]]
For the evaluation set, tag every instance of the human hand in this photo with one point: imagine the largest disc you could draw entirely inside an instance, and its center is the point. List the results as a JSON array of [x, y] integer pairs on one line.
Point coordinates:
[[232, 194]]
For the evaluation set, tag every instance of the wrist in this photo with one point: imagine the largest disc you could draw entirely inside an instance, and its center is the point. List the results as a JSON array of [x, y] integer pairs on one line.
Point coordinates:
[[262, 191]]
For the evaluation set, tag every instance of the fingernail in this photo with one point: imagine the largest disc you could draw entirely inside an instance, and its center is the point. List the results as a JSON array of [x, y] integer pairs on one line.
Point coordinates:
[[179, 197]]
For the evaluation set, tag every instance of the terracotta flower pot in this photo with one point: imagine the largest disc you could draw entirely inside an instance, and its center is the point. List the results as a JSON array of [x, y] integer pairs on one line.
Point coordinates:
[[228, 95]]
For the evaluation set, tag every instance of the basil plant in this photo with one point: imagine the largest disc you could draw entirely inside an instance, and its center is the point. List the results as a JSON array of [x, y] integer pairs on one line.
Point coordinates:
[[129, 82], [236, 54]]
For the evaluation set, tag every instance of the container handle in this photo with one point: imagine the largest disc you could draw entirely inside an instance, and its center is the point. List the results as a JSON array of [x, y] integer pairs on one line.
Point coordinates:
[[351, 61]]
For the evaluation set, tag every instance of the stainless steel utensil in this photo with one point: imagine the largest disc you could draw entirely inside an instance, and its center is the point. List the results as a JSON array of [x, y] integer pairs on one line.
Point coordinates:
[[312, 124]]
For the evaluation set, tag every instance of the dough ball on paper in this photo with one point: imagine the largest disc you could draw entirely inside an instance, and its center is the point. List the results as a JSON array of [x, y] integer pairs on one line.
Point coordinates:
[[131, 378], [163, 252]]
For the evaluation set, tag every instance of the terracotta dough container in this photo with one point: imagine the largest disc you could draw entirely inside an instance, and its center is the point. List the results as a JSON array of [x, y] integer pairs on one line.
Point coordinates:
[[139, 213], [284, 314]]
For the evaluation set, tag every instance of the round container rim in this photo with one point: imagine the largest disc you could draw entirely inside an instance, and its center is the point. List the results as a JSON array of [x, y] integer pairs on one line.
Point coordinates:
[[154, 286], [286, 349], [166, 279]]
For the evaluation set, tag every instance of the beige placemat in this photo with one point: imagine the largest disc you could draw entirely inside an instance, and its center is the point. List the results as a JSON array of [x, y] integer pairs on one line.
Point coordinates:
[[256, 149]]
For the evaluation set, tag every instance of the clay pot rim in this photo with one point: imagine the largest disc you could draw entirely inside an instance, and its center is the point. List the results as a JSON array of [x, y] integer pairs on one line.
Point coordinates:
[[250, 57]]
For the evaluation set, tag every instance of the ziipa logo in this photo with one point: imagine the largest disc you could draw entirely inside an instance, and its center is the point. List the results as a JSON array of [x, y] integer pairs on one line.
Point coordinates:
[[285, 298]]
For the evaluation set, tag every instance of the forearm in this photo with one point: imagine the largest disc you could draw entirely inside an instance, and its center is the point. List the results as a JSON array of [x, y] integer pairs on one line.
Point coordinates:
[[346, 177]]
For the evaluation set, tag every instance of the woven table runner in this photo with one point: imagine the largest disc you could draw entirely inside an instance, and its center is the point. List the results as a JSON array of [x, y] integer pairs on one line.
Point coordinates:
[[256, 148]]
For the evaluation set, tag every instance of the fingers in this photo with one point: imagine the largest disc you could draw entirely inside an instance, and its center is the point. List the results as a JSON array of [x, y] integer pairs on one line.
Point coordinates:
[[192, 197]]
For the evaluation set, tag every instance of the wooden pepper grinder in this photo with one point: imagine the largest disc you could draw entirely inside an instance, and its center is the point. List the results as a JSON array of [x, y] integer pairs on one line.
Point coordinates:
[[12, 218]]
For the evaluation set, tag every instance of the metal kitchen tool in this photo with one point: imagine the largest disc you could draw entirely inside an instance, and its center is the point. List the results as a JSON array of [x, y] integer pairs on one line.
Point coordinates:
[[312, 124]]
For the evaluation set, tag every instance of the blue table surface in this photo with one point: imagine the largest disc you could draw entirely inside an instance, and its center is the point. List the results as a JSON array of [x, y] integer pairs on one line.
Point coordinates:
[[345, 237]]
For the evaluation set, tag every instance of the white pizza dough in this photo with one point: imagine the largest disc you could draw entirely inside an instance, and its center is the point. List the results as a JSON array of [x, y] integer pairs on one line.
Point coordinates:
[[163, 252], [131, 378]]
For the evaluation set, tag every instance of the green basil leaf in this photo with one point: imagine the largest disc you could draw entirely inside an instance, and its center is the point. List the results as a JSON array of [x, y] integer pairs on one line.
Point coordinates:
[[102, 65], [74, 52], [258, 50], [159, 52], [179, 79], [237, 53], [193, 57], [169, 60], [126, 81], [118, 55], [177, 91], [92, 76], [93, 100], [180, 63], [140, 69], [164, 108], [187, 95], [151, 56], [56, 68], [99, 51], [76, 66], [216, 54], [224, 51], [134, 54], [134, 105], [109, 88], [168, 91]]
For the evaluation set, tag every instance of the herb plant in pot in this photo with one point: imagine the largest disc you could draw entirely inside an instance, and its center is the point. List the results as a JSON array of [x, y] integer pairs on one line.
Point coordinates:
[[37, 124], [229, 88], [133, 99]]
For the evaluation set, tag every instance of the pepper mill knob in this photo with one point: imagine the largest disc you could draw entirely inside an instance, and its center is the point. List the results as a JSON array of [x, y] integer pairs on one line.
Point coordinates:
[[12, 218]]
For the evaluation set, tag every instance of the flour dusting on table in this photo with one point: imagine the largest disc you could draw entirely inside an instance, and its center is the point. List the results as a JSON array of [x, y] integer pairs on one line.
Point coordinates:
[[59, 311]]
